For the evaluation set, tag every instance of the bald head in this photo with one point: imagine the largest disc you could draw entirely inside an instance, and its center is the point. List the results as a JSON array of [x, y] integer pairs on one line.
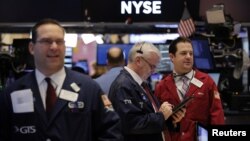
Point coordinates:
[[115, 57]]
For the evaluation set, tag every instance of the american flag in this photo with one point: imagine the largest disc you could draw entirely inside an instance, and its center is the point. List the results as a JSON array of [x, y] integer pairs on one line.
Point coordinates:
[[186, 26]]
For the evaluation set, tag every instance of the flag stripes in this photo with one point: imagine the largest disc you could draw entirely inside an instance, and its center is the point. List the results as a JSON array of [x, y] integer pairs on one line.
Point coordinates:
[[186, 26]]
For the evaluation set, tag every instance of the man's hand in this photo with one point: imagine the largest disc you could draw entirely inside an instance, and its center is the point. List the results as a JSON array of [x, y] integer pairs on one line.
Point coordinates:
[[166, 109], [177, 117]]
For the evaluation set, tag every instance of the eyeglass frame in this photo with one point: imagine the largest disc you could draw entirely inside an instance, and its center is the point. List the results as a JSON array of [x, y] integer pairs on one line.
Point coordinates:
[[48, 42], [150, 65]]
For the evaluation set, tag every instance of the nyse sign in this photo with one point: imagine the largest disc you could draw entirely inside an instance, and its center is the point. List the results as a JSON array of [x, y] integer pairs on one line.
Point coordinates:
[[139, 7], [140, 10]]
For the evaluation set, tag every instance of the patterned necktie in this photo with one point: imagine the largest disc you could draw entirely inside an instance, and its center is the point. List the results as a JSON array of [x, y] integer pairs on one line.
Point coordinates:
[[185, 86], [50, 97], [147, 90]]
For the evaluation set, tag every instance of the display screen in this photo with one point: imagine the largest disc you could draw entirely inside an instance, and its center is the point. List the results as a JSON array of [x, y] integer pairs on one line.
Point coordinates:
[[83, 64], [203, 58], [165, 65], [154, 79], [102, 50], [202, 133]]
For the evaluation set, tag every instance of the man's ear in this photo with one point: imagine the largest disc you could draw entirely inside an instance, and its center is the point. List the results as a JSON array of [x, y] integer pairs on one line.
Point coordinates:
[[137, 60], [31, 48], [171, 56]]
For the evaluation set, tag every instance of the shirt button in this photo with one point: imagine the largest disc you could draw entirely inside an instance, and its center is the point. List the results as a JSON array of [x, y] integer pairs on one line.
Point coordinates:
[[48, 139], [182, 133]]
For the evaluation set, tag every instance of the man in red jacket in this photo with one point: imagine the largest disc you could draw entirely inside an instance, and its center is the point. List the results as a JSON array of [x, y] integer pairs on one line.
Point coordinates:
[[205, 107]]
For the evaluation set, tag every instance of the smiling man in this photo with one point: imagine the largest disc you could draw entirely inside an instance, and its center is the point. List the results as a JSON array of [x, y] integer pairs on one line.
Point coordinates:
[[78, 112]]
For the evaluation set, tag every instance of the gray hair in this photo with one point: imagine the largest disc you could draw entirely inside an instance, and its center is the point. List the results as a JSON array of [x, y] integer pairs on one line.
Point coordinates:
[[142, 49]]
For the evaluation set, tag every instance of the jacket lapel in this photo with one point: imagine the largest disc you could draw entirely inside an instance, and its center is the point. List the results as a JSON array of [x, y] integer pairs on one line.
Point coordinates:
[[140, 92], [38, 104], [172, 88], [61, 103]]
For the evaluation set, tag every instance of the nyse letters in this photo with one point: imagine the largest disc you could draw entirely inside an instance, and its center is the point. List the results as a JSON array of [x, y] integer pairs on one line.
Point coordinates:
[[138, 7]]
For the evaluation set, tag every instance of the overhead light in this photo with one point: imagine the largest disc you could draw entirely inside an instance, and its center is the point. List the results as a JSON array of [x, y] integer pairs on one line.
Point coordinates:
[[153, 38], [70, 40], [98, 39], [166, 25], [88, 38]]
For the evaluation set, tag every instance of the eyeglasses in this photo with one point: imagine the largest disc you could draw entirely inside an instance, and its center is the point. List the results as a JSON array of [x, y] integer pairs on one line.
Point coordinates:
[[150, 65], [49, 42]]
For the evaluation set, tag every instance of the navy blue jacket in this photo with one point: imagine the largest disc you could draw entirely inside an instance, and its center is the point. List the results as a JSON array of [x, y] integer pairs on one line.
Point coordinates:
[[89, 121], [139, 120]]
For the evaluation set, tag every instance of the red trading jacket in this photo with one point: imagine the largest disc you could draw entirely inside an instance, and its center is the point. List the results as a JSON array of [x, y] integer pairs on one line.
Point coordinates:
[[206, 106]]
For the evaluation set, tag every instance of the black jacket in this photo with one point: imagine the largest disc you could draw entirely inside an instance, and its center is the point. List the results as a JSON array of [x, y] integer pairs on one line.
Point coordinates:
[[87, 119], [139, 120]]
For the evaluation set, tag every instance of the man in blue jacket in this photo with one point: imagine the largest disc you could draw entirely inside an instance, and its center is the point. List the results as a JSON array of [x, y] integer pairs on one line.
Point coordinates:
[[115, 63], [142, 116], [80, 112]]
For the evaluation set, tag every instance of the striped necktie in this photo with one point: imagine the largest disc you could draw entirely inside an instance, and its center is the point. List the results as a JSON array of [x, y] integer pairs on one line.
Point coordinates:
[[185, 84]]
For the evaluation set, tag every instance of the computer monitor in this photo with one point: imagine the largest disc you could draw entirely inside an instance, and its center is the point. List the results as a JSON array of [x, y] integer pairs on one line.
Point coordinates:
[[165, 65], [83, 65], [154, 79], [102, 50], [203, 58]]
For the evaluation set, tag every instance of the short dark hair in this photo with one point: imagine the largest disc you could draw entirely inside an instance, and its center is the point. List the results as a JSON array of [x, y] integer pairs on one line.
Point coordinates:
[[172, 47], [40, 23], [115, 60]]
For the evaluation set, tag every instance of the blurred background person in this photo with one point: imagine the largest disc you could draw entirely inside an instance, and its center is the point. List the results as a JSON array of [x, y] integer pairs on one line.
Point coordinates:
[[115, 63], [79, 69], [81, 66], [97, 70]]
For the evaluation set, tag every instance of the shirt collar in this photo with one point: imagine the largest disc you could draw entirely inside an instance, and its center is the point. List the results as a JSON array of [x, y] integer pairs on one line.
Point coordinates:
[[135, 76], [189, 75], [57, 77]]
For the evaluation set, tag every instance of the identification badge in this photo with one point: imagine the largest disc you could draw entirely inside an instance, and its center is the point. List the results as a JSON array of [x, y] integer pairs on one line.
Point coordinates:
[[68, 95], [22, 101], [196, 82], [75, 87], [76, 105]]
